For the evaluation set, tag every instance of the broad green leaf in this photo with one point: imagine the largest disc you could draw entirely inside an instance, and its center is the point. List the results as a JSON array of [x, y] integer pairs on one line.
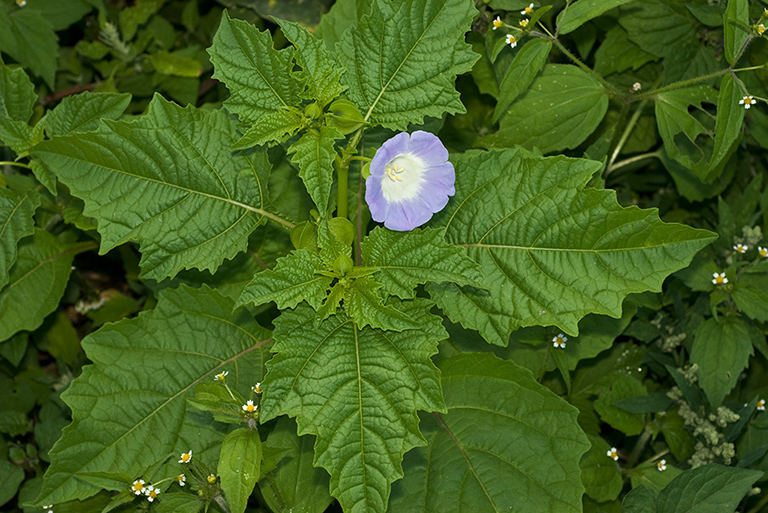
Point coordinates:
[[639, 500], [559, 110], [730, 116], [179, 503], [81, 112], [403, 58], [176, 65], [735, 28], [16, 222], [524, 68], [721, 349], [655, 27], [617, 387], [36, 282], [404, 260], [11, 477], [331, 378], [751, 297], [601, 475], [679, 129], [295, 484], [19, 136], [169, 181], [342, 15], [29, 38], [580, 12], [617, 53], [319, 72], [551, 251], [239, 466], [132, 17], [294, 279], [275, 127], [691, 60], [143, 370], [707, 489], [62, 14], [678, 438], [259, 78], [314, 154], [17, 94], [506, 444]]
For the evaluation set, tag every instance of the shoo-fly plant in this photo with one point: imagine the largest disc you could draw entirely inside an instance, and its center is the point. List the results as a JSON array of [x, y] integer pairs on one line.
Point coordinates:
[[402, 225]]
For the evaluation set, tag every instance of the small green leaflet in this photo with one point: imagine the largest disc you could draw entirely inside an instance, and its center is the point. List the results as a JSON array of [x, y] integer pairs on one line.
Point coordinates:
[[403, 57], [331, 378], [239, 466], [524, 68], [17, 94], [36, 282], [735, 28], [275, 127], [294, 279], [260, 79], [81, 112], [16, 222], [403, 260], [730, 118], [559, 110], [149, 365], [577, 13], [314, 153], [319, 71], [29, 38], [574, 251], [492, 451], [169, 181], [721, 349]]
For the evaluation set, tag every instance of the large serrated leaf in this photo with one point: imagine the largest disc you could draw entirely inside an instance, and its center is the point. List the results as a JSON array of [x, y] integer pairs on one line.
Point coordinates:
[[259, 78], [17, 94], [81, 112], [334, 380], [16, 222], [550, 250], [29, 38], [129, 408], [506, 444], [562, 106], [403, 57], [294, 279], [406, 259], [36, 282], [169, 181], [319, 72], [314, 154]]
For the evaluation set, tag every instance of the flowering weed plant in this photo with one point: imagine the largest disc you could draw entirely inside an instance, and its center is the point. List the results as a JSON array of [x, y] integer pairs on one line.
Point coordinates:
[[429, 255]]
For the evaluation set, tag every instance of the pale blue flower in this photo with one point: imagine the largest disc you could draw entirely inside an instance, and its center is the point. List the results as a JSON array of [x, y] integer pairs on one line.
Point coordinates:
[[411, 179]]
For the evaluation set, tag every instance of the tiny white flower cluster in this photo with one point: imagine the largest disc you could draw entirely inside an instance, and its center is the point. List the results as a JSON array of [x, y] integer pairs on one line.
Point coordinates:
[[257, 388], [182, 479], [747, 101], [662, 465], [719, 279], [511, 40], [740, 248], [138, 488]]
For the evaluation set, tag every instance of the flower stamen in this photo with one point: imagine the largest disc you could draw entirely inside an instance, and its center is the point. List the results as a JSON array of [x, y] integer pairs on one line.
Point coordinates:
[[394, 173]]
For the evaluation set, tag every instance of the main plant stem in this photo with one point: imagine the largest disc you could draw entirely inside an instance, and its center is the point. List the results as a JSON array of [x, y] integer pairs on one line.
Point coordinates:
[[342, 209]]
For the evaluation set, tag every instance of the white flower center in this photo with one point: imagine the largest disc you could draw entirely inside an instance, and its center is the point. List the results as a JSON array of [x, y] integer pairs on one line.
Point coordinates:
[[402, 178]]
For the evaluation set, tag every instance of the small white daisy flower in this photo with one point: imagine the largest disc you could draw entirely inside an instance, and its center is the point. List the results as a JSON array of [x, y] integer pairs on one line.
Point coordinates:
[[761, 405], [762, 251], [497, 23], [47, 507], [186, 457], [511, 40], [527, 11], [151, 493], [747, 101], [221, 377], [559, 341], [719, 279], [22, 3], [250, 407], [740, 248], [257, 388], [211, 479], [636, 87], [138, 487], [182, 479], [524, 22], [761, 29], [662, 465], [612, 453]]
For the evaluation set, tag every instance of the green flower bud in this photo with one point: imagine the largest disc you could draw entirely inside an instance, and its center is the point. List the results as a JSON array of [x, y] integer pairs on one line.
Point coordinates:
[[342, 265], [303, 236], [313, 111], [344, 116]]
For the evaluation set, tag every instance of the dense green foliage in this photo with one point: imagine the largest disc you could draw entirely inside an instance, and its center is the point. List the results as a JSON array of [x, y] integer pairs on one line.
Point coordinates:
[[198, 312]]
